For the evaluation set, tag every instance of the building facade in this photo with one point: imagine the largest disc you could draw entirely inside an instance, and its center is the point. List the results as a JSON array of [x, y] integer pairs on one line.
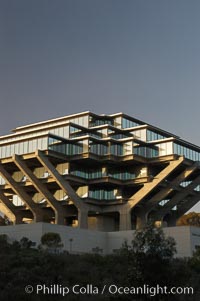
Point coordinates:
[[98, 172]]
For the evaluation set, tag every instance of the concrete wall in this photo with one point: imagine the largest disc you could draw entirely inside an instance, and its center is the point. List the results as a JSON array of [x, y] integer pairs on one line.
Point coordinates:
[[83, 240], [183, 239], [194, 238], [187, 238]]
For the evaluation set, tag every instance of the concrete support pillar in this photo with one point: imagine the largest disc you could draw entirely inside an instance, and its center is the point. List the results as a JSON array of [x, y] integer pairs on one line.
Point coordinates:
[[148, 187], [25, 197], [171, 221], [18, 219], [82, 218], [125, 220], [141, 220], [59, 218], [11, 211], [59, 211], [37, 216], [62, 183]]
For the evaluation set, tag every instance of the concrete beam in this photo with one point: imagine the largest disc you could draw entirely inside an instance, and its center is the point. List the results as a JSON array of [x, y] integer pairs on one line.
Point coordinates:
[[189, 203], [162, 194], [34, 208], [64, 184], [148, 187], [10, 210], [178, 198], [172, 217], [125, 209], [40, 187]]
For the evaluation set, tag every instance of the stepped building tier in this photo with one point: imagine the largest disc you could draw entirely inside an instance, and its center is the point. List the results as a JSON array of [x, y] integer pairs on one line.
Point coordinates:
[[101, 172]]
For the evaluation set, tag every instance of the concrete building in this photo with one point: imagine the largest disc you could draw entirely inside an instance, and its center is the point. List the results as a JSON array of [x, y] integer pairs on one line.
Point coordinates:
[[99, 172]]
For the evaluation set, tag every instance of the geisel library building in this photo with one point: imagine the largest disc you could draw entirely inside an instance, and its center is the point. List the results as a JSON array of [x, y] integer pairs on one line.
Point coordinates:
[[95, 178]]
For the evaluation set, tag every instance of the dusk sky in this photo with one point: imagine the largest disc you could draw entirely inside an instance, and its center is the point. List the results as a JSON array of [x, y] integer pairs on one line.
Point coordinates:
[[140, 57]]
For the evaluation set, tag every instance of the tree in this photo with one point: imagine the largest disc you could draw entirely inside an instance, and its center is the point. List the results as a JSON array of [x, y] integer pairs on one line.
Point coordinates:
[[152, 241], [4, 244], [25, 243], [195, 260], [150, 258], [52, 242], [190, 219]]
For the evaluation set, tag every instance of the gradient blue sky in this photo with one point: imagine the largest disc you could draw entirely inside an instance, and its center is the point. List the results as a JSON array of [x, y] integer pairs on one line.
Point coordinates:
[[140, 57], [65, 56]]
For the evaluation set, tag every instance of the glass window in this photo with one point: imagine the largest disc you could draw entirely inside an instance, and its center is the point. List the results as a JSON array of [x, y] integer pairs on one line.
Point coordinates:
[[185, 183], [17, 148], [197, 188], [151, 136], [126, 123], [102, 194], [97, 148], [25, 147], [163, 202], [12, 149], [185, 151], [39, 143], [148, 152], [8, 151], [117, 149], [96, 122], [21, 148], [3, 151], [34, 145], [30, 146]]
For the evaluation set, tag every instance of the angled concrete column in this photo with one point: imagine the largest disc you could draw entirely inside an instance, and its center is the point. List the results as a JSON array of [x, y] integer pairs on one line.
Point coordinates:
[[125, 219], [4, 209], [64, 185], [178, 198], [35, 209], [162, 194], [82, 218], [148, 187], [10, 210], [40, 187], [15, 218], [189, 203]]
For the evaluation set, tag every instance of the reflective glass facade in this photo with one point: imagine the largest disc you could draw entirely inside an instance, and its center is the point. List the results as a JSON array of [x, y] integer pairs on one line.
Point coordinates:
[[87, 174], [126, 123], [98, 148], [187, 152], [151, 136], [77, 135], [102, 194], [122, 175], [97, 122], [148, 152], [23, 147]]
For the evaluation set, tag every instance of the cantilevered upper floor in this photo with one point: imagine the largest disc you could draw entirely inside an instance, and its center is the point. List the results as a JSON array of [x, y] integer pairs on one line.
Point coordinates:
[[106, 171], [116, 134]]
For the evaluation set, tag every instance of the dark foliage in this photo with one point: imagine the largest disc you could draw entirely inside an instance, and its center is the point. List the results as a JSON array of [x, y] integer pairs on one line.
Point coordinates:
[[149, 260]]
